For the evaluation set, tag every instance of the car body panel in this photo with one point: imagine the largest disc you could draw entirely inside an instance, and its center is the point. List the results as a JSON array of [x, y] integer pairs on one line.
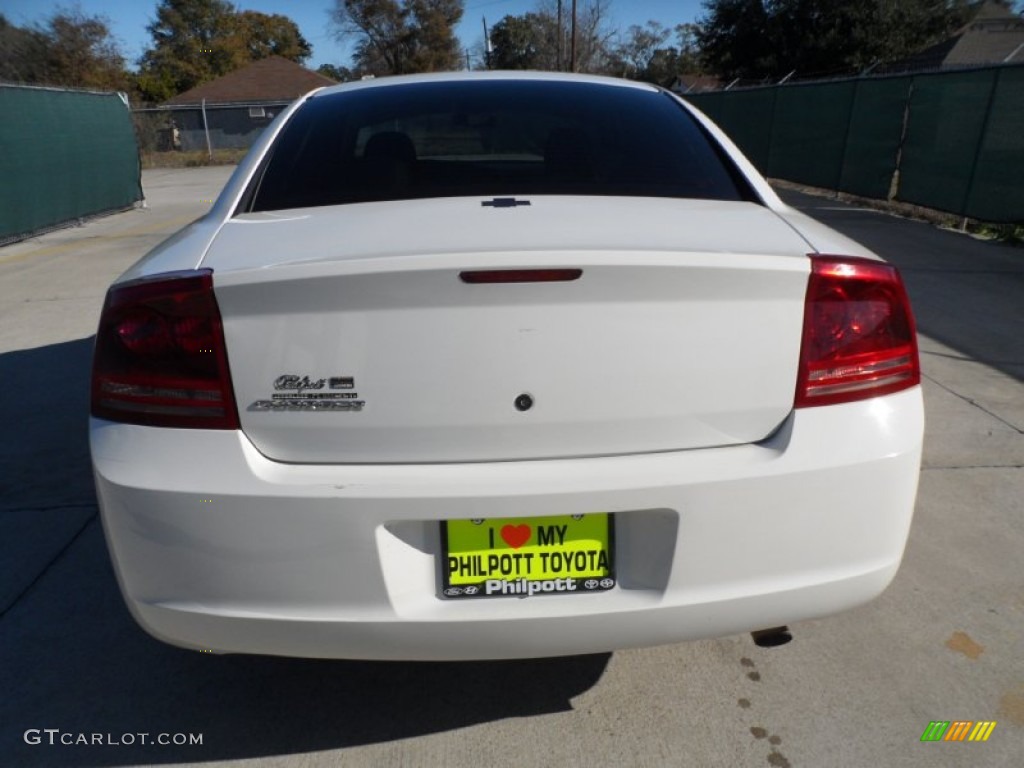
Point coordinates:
[[246, 554]]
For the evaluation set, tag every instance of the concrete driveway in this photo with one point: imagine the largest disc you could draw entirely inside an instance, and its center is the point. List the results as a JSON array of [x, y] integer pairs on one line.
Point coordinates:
[[859, 689]]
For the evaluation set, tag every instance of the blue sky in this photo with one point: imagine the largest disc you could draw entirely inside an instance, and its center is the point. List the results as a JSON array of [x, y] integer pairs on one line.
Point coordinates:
[[128, 18]]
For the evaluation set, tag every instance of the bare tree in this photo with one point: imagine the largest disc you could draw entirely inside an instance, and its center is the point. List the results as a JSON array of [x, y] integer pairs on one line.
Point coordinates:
[[594, 36], [646, 53], [535, 40], [400, 36]]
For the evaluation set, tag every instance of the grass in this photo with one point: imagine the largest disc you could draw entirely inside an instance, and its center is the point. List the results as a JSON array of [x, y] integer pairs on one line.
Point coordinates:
[[1011, 234], [194, 159]]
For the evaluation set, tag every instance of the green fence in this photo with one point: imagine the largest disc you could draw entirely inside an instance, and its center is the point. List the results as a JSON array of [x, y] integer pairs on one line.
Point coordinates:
[[953, 141], [64, 155]]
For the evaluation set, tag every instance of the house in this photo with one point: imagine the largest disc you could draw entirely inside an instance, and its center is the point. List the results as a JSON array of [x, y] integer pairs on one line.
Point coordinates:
[[695, 84], [994, 36], [234, 109]]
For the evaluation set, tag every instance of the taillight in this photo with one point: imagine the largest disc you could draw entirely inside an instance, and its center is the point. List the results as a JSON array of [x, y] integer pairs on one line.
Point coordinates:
[[859, 339], [160, 357]]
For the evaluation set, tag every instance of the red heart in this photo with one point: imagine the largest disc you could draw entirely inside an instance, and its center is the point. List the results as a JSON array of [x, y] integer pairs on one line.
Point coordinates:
[[515, 535]]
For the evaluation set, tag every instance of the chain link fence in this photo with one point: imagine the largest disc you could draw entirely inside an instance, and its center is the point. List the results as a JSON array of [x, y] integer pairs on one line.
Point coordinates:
[[203, 127]]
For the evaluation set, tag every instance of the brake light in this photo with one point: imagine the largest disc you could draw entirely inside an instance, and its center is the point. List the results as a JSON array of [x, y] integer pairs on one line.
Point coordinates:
[[160, 357], [494, 276], [859, 339]]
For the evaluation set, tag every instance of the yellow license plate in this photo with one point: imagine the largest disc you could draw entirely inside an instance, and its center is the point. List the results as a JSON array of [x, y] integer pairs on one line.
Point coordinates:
[[525, 556]]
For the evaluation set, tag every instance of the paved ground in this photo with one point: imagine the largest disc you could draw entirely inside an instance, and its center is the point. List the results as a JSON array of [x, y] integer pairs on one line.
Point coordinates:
[[944, 643]]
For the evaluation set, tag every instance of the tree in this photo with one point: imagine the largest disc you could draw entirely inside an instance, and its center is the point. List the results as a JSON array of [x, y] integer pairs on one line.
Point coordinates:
[[518, 42], [757, 39], [593, 35], [69, 49], [644, 53], [641, 45], [396, 37], [195, 41], [437, 46], [22, 53], [733, 38], [256, 35], [333, 71], [82, 53], [897, 30], [188, 46]]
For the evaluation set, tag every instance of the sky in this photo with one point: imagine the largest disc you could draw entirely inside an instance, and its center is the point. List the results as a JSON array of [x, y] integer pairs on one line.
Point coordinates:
[[128, 19]]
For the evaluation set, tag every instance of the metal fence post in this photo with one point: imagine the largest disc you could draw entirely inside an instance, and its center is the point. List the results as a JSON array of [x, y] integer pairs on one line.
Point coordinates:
[[894, 183], [206, 129], [771, 129], [981, 144], [846, 138]]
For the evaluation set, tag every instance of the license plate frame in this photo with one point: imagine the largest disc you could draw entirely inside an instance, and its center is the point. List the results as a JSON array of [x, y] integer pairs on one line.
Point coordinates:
[[527, 556]]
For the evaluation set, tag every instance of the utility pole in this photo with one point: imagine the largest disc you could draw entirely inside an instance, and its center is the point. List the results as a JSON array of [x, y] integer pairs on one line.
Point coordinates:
[[572, 42], [487, 44], [558, 41]]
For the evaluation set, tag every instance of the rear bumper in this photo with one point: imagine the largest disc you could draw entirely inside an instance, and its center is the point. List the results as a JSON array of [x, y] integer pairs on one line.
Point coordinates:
[[216, 547]]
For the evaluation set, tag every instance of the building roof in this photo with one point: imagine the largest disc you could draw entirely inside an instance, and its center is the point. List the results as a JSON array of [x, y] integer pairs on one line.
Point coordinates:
[[994, 36], [696, 83], [274, 79]]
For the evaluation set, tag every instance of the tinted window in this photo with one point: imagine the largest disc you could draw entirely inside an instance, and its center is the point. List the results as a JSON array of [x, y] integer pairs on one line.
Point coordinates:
[[491, 137]]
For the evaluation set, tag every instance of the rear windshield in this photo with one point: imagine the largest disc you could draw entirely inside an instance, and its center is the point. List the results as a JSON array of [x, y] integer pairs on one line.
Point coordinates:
[[491, 138]]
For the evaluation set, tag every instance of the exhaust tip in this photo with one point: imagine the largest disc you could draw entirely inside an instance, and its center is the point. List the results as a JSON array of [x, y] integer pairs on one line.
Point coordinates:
[[771, 638]]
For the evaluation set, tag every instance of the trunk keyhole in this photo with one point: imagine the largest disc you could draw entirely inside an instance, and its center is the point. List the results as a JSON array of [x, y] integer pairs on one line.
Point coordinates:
[[524, 402]]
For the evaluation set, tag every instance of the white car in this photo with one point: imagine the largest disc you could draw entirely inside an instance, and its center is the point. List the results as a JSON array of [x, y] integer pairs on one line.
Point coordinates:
[[478, 366]]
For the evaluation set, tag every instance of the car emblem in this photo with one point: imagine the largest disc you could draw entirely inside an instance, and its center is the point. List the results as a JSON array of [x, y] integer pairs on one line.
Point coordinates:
[[504, 202], [303, 393], [291, 381]]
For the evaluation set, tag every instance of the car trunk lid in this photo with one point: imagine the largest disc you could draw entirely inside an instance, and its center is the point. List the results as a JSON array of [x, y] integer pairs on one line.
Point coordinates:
[[353, 335]]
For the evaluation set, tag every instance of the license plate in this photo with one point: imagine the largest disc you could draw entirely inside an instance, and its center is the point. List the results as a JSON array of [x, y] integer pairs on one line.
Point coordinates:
[[526, 556]]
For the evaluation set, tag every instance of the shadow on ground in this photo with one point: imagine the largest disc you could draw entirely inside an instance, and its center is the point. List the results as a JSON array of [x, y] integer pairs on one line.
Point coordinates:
[[44, 456], [46, 489], [966, 292], [72, 659]]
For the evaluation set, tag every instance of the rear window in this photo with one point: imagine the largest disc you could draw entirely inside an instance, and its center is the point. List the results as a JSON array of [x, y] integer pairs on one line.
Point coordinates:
[[491, 138]]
